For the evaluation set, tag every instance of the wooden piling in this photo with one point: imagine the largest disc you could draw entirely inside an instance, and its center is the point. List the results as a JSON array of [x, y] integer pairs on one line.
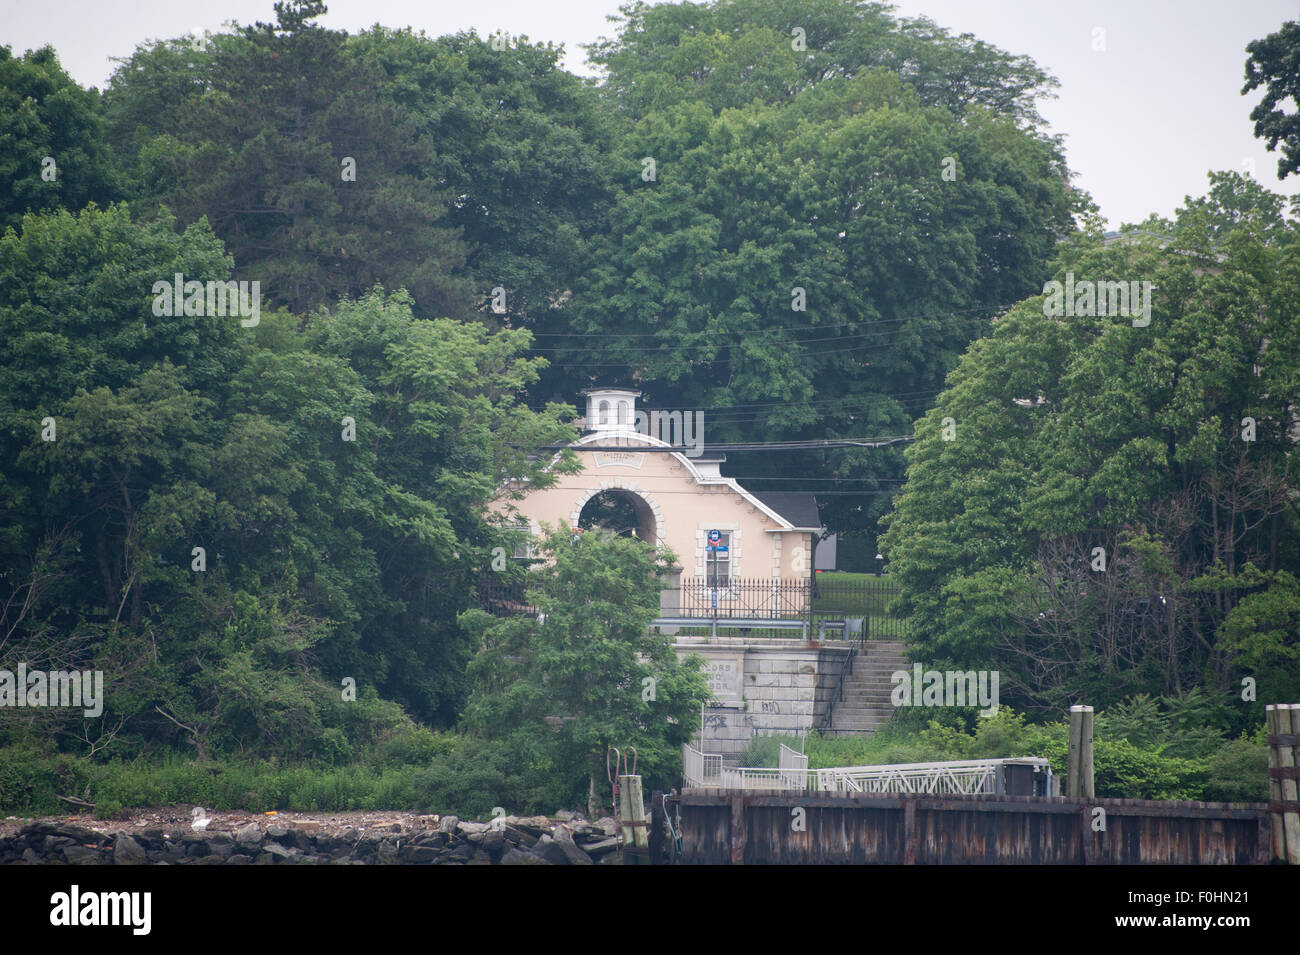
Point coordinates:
[[658, 855], [1283, 722], [1080, 782], [738, 830], [1291, 789], [1276, 832], [1087, 778], [631, 810]]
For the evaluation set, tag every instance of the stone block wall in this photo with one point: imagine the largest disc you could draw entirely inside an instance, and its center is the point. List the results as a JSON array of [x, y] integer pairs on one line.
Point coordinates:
[[773, 688]]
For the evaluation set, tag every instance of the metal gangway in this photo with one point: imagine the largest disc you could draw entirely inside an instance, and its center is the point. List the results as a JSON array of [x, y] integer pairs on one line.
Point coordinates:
[[970, 777]]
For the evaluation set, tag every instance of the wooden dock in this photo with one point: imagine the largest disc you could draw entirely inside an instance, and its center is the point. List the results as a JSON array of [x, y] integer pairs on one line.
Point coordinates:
[[759, 828]]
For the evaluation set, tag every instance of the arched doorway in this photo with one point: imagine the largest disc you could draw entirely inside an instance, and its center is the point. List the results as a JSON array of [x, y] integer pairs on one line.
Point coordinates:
[[621, 512]]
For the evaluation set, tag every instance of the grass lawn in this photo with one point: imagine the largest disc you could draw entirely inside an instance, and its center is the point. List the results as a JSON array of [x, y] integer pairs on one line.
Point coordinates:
[[843, 594]]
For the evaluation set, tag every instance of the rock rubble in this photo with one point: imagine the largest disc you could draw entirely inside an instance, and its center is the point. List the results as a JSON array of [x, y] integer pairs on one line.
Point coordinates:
[[532, 840]]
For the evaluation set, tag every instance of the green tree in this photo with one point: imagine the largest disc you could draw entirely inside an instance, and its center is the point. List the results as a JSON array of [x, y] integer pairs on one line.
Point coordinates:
[[843, 194], [315, 183], [52, 148], [732, 52], [587, 673], [1166, 445], [445, 424], [330, 548], [892, 173], [330, 163], [1274, 63]]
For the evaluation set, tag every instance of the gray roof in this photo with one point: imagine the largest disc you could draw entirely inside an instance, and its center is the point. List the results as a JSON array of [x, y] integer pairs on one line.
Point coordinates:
[[797, 507]]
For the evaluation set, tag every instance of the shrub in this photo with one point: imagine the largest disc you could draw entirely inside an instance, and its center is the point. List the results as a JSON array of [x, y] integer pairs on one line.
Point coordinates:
[[27, 782], [1238, 772], [765, 751]]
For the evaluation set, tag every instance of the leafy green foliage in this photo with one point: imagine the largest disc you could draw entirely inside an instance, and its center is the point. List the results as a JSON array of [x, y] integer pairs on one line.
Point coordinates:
[[1239, 771], [1073, 433], [324, 557], [730, 53], [908, 208], [1128, 762], [766, 750], [587, 674], [330, 163], [896, 173], [1189, 725], [1274, 63], [48, 117]]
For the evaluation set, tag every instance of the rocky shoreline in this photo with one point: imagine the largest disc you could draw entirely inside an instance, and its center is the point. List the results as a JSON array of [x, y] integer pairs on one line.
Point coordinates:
[[566, 839]]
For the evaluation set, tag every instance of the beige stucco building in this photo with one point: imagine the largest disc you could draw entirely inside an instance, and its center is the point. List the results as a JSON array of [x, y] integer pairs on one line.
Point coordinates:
[[677, 495]]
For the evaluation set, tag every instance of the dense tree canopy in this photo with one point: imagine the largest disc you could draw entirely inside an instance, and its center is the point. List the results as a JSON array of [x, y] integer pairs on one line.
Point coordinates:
[[729, 53], [334, 476], [1167, 445], [806, 218], [52, 149], [328, 163], [823, 229], [895, 173]]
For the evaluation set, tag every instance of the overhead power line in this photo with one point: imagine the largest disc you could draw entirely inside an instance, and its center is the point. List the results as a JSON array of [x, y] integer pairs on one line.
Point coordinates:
[[806, 327], [814, 445], [902, 397]]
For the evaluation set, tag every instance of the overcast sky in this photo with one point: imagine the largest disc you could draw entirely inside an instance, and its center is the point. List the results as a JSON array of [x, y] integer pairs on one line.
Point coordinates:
[[1144, 119]]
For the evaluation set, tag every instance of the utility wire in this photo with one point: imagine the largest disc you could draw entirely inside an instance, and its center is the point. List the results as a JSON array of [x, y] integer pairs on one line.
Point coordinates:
[[812, 445], [811, 327]]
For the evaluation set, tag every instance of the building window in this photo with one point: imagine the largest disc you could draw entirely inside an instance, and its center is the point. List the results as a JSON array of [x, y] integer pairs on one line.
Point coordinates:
[[604, 413], [524, 551]]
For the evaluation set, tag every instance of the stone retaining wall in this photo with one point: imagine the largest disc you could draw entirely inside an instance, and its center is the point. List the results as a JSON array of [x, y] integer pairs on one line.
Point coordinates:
[[771, 688]]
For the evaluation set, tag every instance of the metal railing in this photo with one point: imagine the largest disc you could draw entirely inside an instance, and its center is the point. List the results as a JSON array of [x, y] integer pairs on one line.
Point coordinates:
[[702, 769], [706, 771], [744, 599], [855, 644], [964, 778], [867, 597], [792, 766], [738, 597], [504, 599], [760, 778], [972, 777]]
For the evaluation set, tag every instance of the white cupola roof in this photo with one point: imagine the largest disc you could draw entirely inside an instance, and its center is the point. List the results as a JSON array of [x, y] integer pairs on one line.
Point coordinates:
[[611, 409]]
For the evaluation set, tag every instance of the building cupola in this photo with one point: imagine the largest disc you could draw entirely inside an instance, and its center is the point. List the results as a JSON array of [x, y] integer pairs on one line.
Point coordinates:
[[611, 409]]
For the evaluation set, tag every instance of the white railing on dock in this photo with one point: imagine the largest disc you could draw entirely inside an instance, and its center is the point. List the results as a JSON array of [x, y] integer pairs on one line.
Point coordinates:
[[971, 777], [701, 770], [965, 778]]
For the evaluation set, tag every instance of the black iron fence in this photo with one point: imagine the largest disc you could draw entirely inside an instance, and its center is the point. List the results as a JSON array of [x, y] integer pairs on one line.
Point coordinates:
[[831, 597], [503, 598], [772, 597]]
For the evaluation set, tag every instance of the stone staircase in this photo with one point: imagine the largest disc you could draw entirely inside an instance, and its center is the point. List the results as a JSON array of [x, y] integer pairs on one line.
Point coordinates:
[[866, 705]]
